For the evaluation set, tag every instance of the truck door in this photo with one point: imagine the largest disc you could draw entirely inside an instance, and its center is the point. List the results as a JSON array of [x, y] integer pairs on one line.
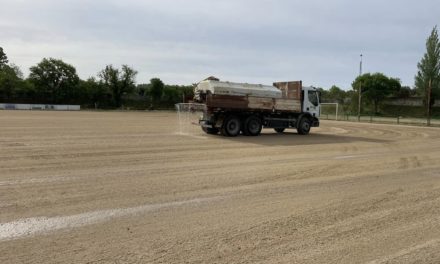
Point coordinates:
[[311, 102]]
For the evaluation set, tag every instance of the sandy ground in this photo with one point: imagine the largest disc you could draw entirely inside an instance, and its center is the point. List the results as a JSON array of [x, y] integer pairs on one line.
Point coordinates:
[[113, 187]]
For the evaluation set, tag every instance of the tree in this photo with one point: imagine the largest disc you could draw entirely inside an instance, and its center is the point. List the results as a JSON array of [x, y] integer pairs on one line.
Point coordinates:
[[336, 94], [7, 77], [10, 77], [156, 89], [171, 95], [427, 80], [54, 80], [94, 93], [375, 87], [3, 58], [142, 89], [405, 92], [25, 92], [119, 82], [323, 95], [9, 82], [12, 85]]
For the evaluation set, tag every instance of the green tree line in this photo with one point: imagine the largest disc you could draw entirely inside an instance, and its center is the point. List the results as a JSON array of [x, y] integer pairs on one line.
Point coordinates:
[[56, 82], [374, 88], [53, 81]]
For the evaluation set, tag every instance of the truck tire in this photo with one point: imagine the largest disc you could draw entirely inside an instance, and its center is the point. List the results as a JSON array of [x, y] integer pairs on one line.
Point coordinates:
[[279, 129], [252, 126], [304, 126], [210, 130], [231, 126]]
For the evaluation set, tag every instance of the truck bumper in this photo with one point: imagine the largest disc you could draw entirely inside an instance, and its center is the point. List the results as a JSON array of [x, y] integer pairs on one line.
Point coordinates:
[[315, 123], [205, 123]]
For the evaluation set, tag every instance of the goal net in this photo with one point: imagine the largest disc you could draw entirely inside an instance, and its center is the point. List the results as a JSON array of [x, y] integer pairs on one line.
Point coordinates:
[[330, 111], [188, 116]]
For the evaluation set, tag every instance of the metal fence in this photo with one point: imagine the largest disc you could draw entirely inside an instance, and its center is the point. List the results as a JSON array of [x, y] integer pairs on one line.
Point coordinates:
[[382, 119]]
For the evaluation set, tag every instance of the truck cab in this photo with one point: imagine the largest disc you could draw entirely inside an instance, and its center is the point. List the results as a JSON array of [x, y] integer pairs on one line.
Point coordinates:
[[311, 102]]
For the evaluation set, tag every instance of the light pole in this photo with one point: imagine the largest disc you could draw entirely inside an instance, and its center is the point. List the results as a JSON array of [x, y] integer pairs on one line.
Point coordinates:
[[360, 90], [428, 121]]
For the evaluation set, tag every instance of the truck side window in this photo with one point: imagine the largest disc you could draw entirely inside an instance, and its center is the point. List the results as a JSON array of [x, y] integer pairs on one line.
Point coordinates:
[[313, 98]]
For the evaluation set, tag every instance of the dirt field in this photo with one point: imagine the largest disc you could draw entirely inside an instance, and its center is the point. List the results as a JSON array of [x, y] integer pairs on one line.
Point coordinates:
[[113, 187]]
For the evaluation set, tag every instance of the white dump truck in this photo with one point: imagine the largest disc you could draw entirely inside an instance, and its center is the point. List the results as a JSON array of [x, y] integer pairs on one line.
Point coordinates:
[[234, 108]]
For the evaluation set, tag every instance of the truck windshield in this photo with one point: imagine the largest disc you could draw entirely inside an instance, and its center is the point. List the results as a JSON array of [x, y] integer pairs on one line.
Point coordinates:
[[313, 98]]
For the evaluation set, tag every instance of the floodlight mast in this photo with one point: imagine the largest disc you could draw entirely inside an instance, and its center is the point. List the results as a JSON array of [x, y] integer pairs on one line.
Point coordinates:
[[360, 90], [428, 114]]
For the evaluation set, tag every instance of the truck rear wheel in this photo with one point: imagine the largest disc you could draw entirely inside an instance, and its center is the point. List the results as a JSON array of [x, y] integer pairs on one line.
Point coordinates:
[[304, 126], [252, 126], [231, 126], [279, 129], [210, 130]]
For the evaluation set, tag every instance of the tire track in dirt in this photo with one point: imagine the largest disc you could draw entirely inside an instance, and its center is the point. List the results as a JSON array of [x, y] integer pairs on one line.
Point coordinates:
[[93, 187], [43, 225], [433, 243]]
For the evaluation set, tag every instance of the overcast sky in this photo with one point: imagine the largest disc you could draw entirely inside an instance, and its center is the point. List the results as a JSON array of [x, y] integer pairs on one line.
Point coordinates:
[[259, 41]]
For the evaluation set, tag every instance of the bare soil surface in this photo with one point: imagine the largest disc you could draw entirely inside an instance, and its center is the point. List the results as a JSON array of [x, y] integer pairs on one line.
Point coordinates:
[[125, 187]]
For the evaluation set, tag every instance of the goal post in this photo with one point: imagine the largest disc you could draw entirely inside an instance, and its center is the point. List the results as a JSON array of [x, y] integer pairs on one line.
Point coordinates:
[[326, 108]]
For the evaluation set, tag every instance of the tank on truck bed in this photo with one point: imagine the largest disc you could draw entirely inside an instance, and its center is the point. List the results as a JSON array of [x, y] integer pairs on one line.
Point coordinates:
[[237, 89], [232, 108]]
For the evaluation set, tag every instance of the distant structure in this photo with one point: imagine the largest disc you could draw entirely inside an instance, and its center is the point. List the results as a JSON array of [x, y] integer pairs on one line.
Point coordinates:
[[39, 107], [212, 78]]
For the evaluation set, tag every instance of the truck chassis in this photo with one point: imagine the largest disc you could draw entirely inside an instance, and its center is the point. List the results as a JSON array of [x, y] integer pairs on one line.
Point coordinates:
[[250, 123]]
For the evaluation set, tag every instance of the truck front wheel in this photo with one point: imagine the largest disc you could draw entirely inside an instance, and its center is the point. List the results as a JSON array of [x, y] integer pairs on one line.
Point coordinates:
[[304, 126], [252, 126], [231, 126]]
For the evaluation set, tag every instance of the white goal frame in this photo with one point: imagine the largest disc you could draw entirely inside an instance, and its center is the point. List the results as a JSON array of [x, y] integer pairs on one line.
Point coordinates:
[[337, 108]]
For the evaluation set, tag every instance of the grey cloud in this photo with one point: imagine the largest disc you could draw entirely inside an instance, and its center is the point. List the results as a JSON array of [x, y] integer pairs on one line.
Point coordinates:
[[253, 41]]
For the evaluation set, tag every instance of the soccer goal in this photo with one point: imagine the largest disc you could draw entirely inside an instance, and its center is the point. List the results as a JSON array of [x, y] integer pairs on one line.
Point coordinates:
[[188, 116], [329, 110]]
